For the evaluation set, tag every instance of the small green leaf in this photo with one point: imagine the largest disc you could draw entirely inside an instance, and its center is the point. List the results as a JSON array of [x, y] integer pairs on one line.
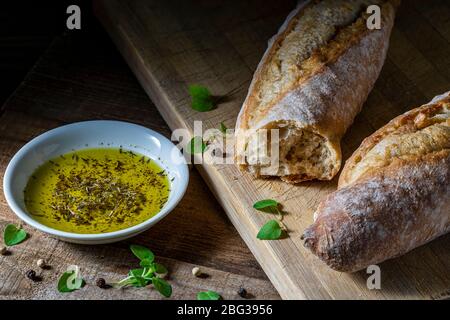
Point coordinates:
[[196, 145], [223, 128], [160, 269], [162, 286], [208, 295], [265, 204], [142, 253], [146, 263], [62, 283], [136, 272], [270, 231], [201, 98], [199, 91], [69, 277], [148, 273], [13, 235], [138, 280]]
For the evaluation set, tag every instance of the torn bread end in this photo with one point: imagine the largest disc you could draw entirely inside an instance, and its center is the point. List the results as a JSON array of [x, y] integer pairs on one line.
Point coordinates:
[[292, 153]]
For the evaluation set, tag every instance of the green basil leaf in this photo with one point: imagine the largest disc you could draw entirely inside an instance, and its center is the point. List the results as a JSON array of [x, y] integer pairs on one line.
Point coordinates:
[[201, 99], [265, 204], [160, 269], [140, 282], [223, 128], [208, 295], [13, 235], [62, 283], [196, 145], [146, 263], [270, 231], [136, 272], [202, 105], [142, 253], [199, 92], [162, 286], [66, 278]]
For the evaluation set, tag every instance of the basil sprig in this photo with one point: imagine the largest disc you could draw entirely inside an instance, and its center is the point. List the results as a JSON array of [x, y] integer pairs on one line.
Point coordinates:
[[149, 273], [272, 229]]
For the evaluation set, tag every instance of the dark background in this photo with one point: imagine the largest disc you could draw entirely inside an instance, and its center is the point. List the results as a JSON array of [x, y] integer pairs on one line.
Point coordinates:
[[27, 29]]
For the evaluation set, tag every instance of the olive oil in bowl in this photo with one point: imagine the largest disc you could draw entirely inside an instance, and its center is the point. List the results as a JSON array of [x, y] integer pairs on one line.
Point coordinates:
[[94, 191]]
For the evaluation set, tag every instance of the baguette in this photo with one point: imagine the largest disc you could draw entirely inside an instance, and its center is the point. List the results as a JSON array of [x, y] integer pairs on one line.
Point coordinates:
[[310, 84], [393, 194]]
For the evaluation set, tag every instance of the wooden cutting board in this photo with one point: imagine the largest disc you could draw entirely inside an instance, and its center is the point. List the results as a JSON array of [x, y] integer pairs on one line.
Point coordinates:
[[217, 43]]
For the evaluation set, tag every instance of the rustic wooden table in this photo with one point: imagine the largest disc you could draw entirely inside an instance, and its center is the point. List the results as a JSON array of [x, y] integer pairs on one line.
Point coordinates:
[[81, 77]]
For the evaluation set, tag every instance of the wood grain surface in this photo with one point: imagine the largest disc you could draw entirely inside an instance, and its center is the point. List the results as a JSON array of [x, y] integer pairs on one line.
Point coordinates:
[[171, 44], [83, 77]]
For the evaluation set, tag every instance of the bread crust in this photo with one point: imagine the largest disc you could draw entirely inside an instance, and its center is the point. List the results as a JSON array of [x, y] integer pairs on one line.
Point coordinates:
[[411, 121], [391, 209], [325, 101]]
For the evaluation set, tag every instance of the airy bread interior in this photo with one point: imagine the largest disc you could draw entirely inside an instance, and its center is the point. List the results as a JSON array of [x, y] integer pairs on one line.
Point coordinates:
[[303, 155]]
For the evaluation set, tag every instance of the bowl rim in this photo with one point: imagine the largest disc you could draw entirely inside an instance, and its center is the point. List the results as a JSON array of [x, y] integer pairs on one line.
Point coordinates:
[[133, 230]]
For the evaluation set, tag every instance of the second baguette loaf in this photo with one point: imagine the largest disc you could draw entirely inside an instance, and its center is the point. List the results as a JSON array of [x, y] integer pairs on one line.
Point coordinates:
[[310, 84], [394, 193]]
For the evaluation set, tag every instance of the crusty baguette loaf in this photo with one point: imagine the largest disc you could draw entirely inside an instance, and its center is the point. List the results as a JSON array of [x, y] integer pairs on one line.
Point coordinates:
[[393, 194], [310, 84]]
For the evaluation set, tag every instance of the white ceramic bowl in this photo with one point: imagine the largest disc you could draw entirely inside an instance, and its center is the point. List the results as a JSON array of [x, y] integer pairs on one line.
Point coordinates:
[[94, 134]]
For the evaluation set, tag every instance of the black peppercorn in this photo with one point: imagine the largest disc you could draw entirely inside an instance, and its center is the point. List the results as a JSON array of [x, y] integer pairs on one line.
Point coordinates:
[[242, 292], [3, 251], [101, 283], [31, 274]]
